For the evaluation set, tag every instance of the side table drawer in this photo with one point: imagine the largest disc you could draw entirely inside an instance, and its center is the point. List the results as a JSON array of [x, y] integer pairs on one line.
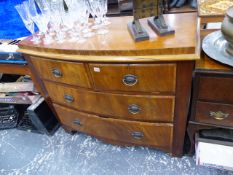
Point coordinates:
[[140, 133], [134, 77], [63, 72], [216, 89], [133, 107], [214, 113]]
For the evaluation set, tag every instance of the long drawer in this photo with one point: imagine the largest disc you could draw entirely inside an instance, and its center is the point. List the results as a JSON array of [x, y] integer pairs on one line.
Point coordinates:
[[214, 113], [63, 72], [135, 107], [140, 133], [134, 77]]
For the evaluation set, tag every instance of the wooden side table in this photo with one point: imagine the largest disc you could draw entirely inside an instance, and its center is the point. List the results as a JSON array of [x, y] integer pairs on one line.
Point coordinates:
[[212, 100]]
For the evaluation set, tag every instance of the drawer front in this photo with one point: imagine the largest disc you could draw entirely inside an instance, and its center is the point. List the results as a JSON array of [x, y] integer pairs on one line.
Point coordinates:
[[214, 113], [216, 89], [61, 71], [136, 107], [141, 133], [134, 77]]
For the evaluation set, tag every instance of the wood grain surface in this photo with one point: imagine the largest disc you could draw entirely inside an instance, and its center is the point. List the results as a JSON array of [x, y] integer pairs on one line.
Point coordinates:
[[154, 134], [183, 45], [152, 108]]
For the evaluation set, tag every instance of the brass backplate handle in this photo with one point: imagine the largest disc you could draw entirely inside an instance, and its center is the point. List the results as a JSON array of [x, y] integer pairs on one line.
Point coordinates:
[[68, 98], [134, 109], [57, 73], [130, 80], [77, 122], [219, 115], [137, 135]]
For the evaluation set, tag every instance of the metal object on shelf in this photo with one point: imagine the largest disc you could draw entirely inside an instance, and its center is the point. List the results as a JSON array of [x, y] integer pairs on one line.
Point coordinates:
[[144, 9], [214, 45]]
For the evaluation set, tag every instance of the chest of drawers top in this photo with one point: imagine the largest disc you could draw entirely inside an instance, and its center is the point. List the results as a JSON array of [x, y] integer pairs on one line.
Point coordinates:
[[118, 46]]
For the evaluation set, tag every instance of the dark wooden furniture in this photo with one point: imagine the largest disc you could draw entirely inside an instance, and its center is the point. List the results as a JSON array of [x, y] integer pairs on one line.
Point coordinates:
[[212, 101], [120, 91]]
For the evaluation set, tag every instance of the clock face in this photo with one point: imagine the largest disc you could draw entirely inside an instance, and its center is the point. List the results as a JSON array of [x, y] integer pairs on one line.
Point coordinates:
[[145, 8]]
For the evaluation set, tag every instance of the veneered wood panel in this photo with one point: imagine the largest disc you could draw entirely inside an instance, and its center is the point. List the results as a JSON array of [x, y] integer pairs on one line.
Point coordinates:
[[152, 134], [206, 112], [150, 77], [71, 73], [152, 108]]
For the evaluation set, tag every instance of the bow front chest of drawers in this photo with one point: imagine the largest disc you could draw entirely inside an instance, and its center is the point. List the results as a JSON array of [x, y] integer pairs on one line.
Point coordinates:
[[120, 91]]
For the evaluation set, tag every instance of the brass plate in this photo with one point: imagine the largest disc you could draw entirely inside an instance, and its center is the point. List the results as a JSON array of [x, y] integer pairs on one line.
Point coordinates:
[[214, 45], [213, 7]]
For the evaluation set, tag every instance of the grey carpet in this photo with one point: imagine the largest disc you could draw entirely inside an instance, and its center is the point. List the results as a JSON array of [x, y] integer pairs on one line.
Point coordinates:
[[64, 154]]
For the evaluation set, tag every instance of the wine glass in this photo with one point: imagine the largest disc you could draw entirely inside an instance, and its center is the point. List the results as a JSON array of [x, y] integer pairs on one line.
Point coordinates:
[[23, 10]]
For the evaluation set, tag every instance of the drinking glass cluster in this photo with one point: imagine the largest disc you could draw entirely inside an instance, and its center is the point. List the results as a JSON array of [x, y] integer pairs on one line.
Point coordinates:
[[60, 20]]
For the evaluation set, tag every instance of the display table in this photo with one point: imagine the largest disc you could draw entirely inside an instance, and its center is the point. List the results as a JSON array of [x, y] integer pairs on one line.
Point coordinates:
[[120, 91]]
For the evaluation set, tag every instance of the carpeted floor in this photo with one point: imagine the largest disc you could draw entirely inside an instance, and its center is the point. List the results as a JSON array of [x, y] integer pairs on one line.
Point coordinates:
[[24, 153]]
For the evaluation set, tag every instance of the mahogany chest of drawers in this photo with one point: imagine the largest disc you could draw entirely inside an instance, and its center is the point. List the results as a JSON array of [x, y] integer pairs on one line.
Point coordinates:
[[122, 92], [212, 99]]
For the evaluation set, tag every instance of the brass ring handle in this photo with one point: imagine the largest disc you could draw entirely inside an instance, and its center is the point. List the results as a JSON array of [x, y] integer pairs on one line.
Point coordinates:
[[57, 73], [68, 98], [134, 109], [219, 115], [137, 135], [77, 122], [130, 80]]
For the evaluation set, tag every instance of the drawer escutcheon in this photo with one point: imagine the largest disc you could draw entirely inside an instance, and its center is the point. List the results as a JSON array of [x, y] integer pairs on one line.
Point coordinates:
[[130, 80], [77, 122], [57, 73], [134, 109], [137, 135], [69, 98], [219, 115]]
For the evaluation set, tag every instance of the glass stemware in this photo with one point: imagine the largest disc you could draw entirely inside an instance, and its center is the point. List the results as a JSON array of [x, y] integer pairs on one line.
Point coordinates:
[[23, 10]]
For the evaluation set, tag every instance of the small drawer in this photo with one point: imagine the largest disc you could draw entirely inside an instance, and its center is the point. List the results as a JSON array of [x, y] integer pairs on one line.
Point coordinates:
[[214, 113], [134, 77], [129, 132], [62, 71], [215, 89], [132, 107]]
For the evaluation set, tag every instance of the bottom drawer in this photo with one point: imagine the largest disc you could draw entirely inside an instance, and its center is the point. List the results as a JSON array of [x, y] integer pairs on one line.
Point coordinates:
[[214, 113], [115, 130]]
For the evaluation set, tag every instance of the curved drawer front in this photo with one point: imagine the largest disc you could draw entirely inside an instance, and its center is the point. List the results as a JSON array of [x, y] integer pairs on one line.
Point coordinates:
[[134, 77], [137, 107], [214, 113], [63, 72], [140, 133]]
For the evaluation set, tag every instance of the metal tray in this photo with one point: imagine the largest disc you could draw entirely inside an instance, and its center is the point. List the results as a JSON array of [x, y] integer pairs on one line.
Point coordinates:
[[214, 45]]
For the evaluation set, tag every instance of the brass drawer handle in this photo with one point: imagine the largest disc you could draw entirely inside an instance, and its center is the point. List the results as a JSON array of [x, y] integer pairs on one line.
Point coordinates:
[[77, 122], [219, 115], [137, 135], [134, 109], [68, 98], [57, 73], [130, 80]]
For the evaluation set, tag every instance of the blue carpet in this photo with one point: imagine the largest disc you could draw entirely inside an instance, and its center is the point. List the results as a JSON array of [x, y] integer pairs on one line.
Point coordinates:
[[11, 25]]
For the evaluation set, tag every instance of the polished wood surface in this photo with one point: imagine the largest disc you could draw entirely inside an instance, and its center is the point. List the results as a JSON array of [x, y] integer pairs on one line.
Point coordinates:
[[71, 73], [204, 114], [115, 105], [159, 135], [206, 63], [216, 89], [118, 46], [109, 77]]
